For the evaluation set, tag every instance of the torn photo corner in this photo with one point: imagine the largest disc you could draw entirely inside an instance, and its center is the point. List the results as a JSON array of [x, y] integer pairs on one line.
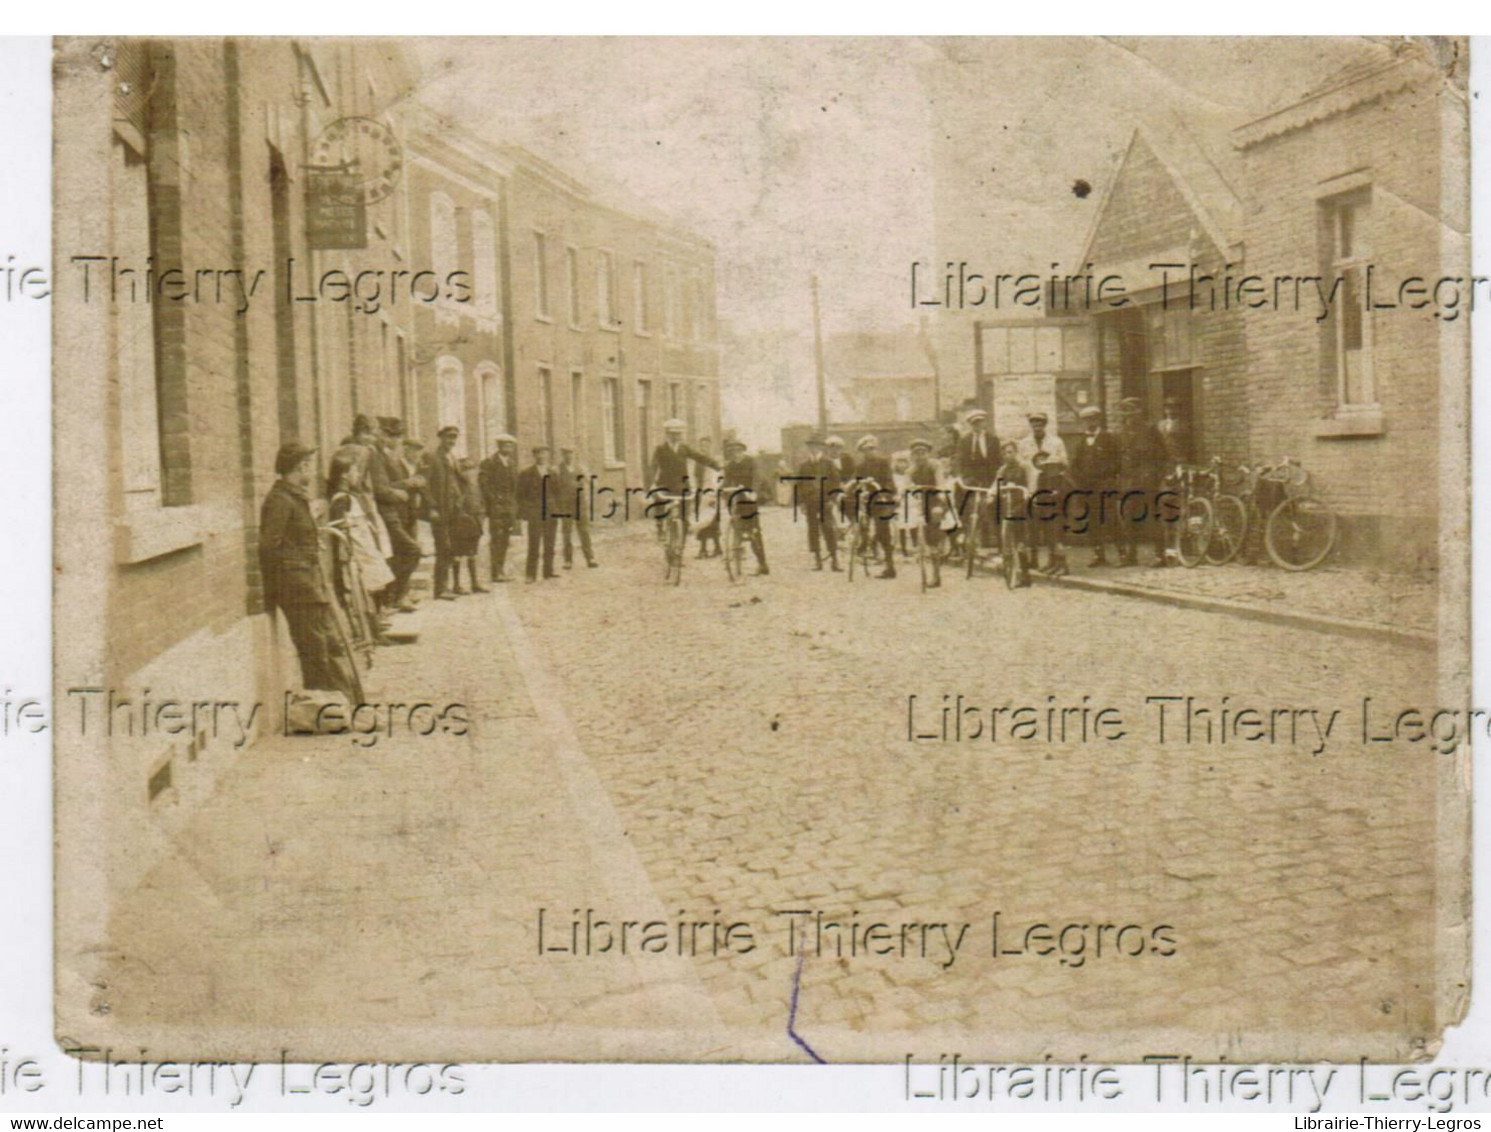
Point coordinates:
[[769, 550]]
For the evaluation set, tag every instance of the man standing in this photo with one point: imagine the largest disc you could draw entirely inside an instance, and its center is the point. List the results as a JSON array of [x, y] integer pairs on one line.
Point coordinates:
[[876, 490], [1046, 457], [1095, 470], [499, 493], [815, 475], [290, 565], [389, 477], [443, 500], [976, 464], [1175, 434], [539, 492], [573, 475], [669, 469], [1141, 454], [738, 478]]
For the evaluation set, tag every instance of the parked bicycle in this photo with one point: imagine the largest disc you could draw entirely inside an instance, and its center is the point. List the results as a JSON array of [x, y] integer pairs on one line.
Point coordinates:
[[1298, 530], [1191, 533]]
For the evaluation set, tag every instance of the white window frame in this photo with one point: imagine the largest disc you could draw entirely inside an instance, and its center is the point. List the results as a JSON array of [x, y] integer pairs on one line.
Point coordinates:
[[641, 322], [484, 263], [572, 286], [605, 289], [1358, 204]]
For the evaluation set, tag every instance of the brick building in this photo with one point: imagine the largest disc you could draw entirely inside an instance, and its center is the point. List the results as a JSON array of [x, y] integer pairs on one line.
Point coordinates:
[[258, 240], [1216, 228]]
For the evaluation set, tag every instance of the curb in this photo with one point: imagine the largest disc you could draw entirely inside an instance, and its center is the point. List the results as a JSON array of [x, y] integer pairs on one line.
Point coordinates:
[[1317, 622]]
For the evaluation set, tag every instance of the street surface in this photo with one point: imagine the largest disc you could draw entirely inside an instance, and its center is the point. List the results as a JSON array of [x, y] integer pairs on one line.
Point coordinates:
[[710, 751]]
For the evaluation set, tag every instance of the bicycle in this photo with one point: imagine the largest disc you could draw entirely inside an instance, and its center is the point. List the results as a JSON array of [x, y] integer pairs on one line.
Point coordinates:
[[673, 538], [1015, 550], [733, 537], [861, 530], [971, 521], [1192, 531], [933, 532], [1299, 530]]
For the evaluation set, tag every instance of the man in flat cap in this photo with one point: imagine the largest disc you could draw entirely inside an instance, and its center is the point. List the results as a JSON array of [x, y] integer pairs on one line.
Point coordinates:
[[443, 500], [1045, 454], [1095, 470], [738, 492], [499, 492], [811, 495], [876, 488], [668, 471], [540, 494], [290, 566], [976, 464]]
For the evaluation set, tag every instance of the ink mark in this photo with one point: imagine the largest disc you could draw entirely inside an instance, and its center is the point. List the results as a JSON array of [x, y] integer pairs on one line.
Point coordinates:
[[792, 1014], [1080, 189]]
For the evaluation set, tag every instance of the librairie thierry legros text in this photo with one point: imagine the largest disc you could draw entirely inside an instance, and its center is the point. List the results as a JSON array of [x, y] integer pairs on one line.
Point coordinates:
[[1178, 720]]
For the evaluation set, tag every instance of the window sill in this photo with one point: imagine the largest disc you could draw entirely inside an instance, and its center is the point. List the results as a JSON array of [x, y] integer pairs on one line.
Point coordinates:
[[615, 465], [543, 318], [610, 327], [1349, 423], [159, 531]]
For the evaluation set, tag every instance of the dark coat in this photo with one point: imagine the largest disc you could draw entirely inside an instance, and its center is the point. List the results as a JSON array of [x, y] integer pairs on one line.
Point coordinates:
[[975, 469], [1141, 457], [1095, 465], [499, 488], [539, 500], [442, 486], [670, 467], [290, 548]]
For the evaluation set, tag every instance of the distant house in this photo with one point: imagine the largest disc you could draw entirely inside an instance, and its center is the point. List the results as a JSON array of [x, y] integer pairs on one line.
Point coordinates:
[[880, 376]]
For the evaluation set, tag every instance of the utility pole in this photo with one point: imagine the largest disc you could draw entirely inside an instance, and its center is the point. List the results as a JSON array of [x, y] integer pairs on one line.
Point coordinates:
[[818, 361]]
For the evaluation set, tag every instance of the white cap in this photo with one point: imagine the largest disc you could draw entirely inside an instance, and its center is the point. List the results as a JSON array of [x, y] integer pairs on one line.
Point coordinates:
[[673, 424], [504, 438], [839, 440], [975, 414]]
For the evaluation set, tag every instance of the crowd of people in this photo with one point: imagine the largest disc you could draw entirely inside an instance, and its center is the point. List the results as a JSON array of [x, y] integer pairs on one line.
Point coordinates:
[[1109, 488], [382, 484]]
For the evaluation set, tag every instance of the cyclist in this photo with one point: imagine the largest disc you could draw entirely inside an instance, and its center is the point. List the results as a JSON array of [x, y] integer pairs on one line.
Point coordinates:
[[739, 478], [668, 471], [874, 476], [925, 504]]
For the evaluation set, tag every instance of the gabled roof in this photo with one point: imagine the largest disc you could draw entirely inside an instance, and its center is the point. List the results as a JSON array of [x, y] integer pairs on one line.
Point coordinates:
[[1196, 152]]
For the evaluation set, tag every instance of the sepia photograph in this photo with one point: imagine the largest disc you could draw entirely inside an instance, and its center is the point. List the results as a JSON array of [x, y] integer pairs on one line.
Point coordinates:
[[769, 550]]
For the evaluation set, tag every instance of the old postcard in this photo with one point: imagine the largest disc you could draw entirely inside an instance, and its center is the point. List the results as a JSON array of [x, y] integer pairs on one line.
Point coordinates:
[[778, 550]]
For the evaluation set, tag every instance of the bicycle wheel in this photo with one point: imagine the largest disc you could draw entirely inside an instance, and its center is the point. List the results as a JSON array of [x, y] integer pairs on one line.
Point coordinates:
[[1009, 554], [1193, 532], [675, 551], [734, 554], [1300, 532], [1229, 529]]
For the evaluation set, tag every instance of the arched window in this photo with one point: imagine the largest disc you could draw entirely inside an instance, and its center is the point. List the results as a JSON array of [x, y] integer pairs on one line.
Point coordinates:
[[484, 265], [493, 410], [442, 235], [450, 397]]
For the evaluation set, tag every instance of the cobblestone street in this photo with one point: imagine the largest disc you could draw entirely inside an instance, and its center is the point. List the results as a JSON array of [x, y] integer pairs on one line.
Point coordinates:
[[738, 751]]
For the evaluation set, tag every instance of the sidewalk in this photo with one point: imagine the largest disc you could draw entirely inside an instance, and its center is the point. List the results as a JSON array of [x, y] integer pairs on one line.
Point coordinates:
[[1333, 599]]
